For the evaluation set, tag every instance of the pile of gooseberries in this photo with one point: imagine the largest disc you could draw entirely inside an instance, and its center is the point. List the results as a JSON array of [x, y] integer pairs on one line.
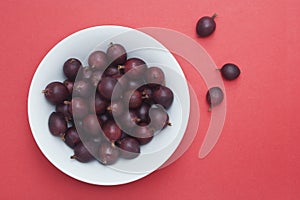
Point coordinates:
[[108, 109]]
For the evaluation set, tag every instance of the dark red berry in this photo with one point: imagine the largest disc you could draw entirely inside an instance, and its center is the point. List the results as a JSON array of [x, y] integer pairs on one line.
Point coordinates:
[[106, 87], [71, 137], [230, 71], [111, 130], [56, 93], [206, 26], [159, 118], [116, 54], [91, 125], [155, 75], [82, 154], [64, 109], [95, 78], [99, 104], [143, 112], [129, 147], [143, 133], [82, 88], [163, 96], [97, 60], [111, 71], [69, 84], [214, 96], [71, 67], [78, 107], [128, 120], [108, 153], [135, 99], [135, 68], [57, 123]]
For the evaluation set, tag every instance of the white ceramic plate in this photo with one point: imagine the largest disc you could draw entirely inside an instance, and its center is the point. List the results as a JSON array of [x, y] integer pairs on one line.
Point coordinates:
[[80, 45]]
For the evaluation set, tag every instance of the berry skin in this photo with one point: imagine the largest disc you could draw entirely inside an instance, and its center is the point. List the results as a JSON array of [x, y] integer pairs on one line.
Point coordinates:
[[230, 71], [206, 26], [214, 96]]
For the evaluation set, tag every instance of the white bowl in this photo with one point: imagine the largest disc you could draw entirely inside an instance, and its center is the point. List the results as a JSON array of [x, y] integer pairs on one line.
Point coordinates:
[[80, 45]]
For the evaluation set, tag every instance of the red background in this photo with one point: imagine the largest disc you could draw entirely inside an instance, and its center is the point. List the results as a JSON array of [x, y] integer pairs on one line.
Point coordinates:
[[258, 153]]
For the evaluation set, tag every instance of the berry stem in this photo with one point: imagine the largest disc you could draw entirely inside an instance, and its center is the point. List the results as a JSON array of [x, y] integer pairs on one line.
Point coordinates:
[[121, 67], [210, 108], [113, 145], [214, 16], [67, 102], [67, 119], [62, 136], [110, 44], [109, 108]]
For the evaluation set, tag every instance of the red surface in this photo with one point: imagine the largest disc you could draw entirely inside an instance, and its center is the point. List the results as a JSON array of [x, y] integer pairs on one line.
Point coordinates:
[[258, 154]]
